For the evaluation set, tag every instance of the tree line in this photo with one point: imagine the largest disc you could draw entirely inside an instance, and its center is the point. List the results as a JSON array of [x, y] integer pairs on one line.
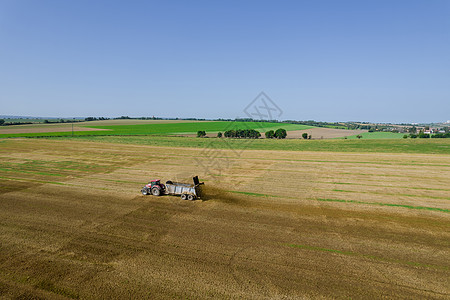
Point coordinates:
[[4, 123], [422, 135], [242, 134], [248, 134]]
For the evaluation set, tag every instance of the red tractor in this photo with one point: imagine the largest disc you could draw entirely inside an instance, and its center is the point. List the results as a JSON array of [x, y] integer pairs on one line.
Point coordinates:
[[155, 187]]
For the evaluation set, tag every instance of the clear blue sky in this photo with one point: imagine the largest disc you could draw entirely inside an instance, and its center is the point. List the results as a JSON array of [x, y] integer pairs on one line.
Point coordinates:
[[385, 61]]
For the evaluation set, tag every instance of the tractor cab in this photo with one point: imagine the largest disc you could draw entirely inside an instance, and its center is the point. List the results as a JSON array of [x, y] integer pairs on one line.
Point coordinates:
[[155, 182]]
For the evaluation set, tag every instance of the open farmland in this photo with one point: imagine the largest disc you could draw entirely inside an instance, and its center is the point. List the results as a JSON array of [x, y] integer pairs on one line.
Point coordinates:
[[187, 128], [274, 224], [424, 146], [315, 132], [146, 127], [41, 129], [324, 133]]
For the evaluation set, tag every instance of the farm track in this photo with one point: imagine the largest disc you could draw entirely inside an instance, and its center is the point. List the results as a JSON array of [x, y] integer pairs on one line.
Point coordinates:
[[72, 224]]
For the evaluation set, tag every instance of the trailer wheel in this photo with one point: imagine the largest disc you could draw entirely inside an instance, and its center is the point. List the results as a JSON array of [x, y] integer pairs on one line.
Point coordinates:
[[183, 196], [190, 197], [144, 192], [156, 191]]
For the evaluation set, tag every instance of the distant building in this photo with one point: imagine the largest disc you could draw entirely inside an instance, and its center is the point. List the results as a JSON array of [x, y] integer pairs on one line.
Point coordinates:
[[432, 130]]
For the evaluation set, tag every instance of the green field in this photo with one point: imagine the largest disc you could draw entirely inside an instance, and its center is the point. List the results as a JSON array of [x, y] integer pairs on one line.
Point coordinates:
[[379, 135], [193, 127], [429, 146], [169, 128]]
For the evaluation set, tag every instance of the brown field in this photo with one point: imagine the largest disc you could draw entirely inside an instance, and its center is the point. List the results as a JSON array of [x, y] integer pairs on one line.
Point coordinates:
[[323, 133], [315, 225], [316, 133]]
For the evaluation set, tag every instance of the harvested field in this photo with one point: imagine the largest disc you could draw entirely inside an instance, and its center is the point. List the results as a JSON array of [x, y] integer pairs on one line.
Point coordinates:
[[323, 133], [273, 224], [315, 132]]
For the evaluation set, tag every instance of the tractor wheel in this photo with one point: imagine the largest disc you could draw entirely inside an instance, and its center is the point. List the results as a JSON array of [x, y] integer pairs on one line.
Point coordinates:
[[156, 191], [190, 197], [183, 196], [144, 192]]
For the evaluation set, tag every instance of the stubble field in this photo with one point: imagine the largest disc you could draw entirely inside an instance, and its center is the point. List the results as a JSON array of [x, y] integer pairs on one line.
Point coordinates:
[[272, 224]]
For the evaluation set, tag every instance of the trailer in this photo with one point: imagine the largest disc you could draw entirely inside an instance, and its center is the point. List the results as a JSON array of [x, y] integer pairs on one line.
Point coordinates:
[[185, 190]]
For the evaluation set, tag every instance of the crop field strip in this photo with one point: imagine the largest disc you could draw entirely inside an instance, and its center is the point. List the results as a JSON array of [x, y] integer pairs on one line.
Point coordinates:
[[418, 146], [151, 129], [363, 255], [275, 234], [378, 135], [386, 186], [173, 127]]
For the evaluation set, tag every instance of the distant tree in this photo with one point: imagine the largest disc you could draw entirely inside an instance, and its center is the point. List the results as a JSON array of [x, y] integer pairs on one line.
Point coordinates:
[[2, 122], [253, 134], [61, 120], [219, 134], [413, 135], [280, 133], [359, 136], [46, 121], [441, 135], [309, 137], [201, 133], [412, 129], [405, 136], [423, 135], [305, 135], [230, 133], [270, 134]]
